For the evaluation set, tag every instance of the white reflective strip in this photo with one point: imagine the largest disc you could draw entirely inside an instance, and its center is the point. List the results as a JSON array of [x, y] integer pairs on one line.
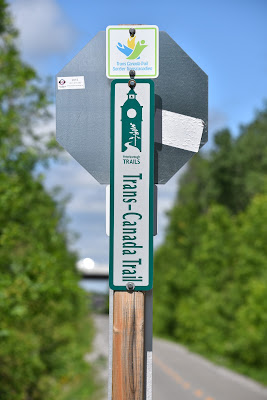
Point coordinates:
[[107, 208], [149, 375], [181, 131]]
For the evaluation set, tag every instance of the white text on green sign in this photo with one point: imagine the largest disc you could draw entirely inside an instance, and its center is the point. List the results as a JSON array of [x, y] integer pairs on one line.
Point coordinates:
[[132, 183]]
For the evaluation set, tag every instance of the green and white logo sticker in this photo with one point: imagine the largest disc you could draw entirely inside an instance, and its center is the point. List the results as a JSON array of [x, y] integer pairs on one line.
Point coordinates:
[[131, 124], [131, 185], [139, 53]]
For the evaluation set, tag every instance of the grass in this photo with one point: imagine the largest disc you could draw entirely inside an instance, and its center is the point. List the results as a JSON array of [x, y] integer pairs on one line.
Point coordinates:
[[85, 383], [85, 387]]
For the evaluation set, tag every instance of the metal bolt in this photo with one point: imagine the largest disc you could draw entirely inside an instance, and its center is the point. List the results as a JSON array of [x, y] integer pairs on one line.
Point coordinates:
[[132, 73], [130, 286], [132, 32], [132, 83]]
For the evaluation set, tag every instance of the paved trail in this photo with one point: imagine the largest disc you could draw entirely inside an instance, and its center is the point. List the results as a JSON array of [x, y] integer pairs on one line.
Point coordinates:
[[181, 375]]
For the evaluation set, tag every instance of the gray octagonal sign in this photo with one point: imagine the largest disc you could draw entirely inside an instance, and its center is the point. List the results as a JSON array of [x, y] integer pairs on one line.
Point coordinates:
[[83, 109]]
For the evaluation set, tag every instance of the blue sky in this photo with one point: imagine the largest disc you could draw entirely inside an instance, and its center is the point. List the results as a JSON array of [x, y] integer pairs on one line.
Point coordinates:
[[227, 39]]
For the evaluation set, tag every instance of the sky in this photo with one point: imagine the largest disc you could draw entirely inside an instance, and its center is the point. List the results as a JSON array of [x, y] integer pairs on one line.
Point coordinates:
[[227, 39]]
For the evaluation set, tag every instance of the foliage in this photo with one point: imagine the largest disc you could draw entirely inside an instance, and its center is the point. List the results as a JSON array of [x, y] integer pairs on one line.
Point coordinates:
[[211, 271], [43, 312]]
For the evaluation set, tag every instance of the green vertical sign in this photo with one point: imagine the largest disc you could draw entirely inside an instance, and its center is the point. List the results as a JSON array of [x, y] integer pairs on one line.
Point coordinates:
[[131, 185]]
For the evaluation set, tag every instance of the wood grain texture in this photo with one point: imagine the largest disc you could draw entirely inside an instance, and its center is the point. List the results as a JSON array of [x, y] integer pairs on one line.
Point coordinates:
[[128, 346]]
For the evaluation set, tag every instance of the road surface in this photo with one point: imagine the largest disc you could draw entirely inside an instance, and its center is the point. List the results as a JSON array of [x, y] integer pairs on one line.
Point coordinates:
[[181, 375]]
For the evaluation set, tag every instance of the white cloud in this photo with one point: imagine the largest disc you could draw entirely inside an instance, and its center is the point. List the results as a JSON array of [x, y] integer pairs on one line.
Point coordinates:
[[44, 28], [86, 208], [217, 120], [166, 197]]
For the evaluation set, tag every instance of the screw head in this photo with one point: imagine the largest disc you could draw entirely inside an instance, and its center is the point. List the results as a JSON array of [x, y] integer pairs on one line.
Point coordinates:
[[132, 73], [132, 32], [132, 83], [130, 286]]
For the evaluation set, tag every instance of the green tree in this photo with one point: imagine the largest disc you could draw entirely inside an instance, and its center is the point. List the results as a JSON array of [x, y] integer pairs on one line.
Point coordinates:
[[43, 312], [210, 273], [232, 172]]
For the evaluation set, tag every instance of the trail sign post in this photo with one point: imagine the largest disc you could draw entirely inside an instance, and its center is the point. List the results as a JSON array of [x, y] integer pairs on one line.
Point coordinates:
[[132, 185], [132, 134]]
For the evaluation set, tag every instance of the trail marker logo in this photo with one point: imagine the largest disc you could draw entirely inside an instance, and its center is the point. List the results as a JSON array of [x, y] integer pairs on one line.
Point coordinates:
[[140, 52], [133, 49], [131, 117]]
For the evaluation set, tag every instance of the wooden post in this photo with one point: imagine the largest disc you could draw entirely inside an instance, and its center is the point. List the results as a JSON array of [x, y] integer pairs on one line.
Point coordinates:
[[128, 346]]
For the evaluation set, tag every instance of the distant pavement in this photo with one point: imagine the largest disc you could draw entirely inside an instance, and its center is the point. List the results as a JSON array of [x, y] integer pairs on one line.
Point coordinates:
[[181, 375]]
